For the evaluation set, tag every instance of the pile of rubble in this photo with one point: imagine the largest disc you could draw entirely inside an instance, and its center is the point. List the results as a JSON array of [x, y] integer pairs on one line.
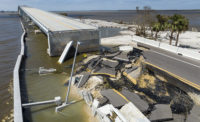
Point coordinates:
[[109, 85]]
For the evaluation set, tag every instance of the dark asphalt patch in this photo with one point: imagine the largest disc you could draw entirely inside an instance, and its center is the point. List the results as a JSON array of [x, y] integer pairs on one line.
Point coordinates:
[[162, 112], [136, 100], [115, 99]]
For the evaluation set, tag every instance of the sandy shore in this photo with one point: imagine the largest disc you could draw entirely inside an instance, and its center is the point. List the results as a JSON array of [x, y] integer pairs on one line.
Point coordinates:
[[188, 38]]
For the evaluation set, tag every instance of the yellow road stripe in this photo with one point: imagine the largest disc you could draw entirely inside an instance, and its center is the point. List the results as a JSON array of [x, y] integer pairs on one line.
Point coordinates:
[[176, 76], [88, 70], [104, 74], [120, 95], [133, 80]]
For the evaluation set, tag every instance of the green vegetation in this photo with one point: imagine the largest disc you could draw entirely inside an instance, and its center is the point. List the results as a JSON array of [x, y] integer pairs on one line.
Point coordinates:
[[148, 20], [64, 14], [175, 24], [160, 25]]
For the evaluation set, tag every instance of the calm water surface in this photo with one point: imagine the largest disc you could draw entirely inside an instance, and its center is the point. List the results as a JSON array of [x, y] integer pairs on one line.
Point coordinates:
[[10, 35], [38, 87]]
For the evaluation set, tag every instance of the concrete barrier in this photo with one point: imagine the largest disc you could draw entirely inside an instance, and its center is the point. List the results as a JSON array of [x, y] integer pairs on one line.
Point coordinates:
[[146, 41], [189, 53], [18, 116], [170, 48]]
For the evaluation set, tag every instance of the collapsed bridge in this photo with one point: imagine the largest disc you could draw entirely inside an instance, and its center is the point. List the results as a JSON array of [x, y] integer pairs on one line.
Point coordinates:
[[60, 30]]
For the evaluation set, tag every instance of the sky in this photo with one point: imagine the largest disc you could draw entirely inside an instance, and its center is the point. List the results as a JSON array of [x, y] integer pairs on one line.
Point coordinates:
[[66, 5]]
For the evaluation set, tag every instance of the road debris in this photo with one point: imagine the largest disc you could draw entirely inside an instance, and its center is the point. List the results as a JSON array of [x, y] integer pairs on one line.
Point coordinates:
[[42, 70]]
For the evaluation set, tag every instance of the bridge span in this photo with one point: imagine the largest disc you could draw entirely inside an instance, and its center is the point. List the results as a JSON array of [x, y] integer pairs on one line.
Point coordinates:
[[61, 29]]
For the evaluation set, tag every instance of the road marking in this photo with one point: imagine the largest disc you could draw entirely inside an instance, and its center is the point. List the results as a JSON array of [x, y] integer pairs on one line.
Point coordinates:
[[120, 95], [103, 74], [130, 78], [176, 59], [176, 76]]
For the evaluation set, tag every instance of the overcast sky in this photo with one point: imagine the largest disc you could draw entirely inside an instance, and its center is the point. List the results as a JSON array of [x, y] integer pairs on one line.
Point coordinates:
[[100, 4]]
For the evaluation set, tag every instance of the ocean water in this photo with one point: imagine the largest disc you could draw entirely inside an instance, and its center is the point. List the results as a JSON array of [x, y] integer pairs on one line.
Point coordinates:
[[129, 16], [10, 35]]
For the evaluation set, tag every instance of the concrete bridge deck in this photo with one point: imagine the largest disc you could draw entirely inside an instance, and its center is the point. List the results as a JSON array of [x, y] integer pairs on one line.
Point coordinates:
[[55, 22], [60, 30]]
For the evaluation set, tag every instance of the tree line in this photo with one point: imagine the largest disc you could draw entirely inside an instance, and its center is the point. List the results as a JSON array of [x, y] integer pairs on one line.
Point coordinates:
[[146, 21]]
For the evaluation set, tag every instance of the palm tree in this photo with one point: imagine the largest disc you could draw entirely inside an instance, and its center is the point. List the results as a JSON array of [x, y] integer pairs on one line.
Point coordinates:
[[156, 28], [161, 25], [172, 25], [182, 25], [177, 23]]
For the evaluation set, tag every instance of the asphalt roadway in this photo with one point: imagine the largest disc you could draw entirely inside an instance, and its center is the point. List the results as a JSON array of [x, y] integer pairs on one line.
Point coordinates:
[[183, 67]]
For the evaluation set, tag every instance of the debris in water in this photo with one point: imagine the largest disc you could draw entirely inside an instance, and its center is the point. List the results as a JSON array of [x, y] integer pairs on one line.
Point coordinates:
[[42, 70]]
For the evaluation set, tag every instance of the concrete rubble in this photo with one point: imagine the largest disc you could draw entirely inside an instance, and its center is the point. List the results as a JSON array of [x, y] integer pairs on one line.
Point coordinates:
[[110, 63], [105, 71], [136, 100], [83, 79], [132, 113], [122, 57], [109, 83], [194, 114], [125, 48], [162, 112], [114, 97]]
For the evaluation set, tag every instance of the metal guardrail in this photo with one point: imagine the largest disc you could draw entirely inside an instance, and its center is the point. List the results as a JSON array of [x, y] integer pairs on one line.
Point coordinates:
[[18, 116]]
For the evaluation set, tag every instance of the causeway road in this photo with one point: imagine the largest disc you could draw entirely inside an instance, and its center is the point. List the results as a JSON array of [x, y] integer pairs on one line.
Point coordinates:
[[183, 67]]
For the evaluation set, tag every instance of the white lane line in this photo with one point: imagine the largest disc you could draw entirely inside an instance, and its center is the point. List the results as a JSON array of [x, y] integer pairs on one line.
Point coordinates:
[[176, 59]]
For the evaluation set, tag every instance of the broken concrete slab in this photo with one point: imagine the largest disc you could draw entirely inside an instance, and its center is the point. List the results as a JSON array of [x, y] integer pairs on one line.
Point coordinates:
[[93, 63], [87, 96], [112, 54], [125, 48], [65, 52], [131, 69], [178, 118], [110, 63], [88, 59], [115, 98], [136, 100], [42, 70], [132, 113], [194, 115], [105, 71], [133, 74], [83, 79], [162, 112], [102, 101], [105, 110], [122, 57]]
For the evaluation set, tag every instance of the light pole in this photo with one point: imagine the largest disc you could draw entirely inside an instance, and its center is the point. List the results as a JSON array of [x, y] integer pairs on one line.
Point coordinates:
[[66, 103]]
